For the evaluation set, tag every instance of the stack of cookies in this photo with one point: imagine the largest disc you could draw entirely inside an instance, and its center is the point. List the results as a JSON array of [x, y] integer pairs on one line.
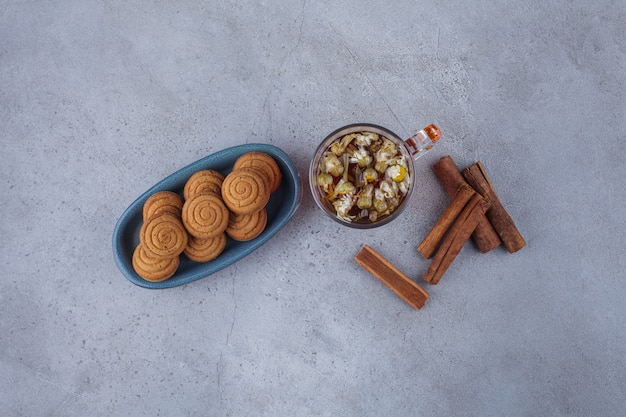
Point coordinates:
[[213, 208], [162, 237], [246, 191]]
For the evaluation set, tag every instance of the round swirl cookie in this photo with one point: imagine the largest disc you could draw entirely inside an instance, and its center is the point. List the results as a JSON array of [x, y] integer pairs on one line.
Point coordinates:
[[204, 181], [244, 227], [164, 235], [245, 190], [153, 268], [205, 250], [162, 202], [205, 216], [263, 161]]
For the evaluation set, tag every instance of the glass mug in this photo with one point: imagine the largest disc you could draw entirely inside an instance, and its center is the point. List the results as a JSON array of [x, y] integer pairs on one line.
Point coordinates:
[[362, 175]]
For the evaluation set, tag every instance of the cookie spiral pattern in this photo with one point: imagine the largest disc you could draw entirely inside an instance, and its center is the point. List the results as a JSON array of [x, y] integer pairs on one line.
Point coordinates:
[[205, 216], [205, 250], [162, 202], [244, 191], [204, 181], [244, 227], [153, 268], [263, 161], [262, 176], [164, 235]]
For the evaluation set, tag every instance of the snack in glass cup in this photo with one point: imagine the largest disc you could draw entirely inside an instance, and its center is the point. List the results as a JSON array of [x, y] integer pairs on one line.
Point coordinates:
[[362, 174]]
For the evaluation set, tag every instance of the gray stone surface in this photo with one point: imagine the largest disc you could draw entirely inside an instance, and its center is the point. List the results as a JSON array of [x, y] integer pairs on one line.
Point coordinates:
[[101, 99]]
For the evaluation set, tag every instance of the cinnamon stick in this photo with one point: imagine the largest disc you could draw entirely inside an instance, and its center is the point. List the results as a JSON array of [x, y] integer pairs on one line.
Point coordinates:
[[455, 239], [428, 246], [450, 178], [388, 274], [477, 177]]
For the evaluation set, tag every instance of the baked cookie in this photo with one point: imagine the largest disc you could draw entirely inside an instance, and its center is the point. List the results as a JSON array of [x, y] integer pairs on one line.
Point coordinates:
[[263, 161], [205, 250], [245, 190], [243, 227], [205, 216], [164, 235], [162, 202], [204, 181], [151, 267]]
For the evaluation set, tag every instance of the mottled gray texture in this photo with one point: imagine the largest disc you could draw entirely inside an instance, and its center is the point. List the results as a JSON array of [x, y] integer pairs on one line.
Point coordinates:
[[101, 99]]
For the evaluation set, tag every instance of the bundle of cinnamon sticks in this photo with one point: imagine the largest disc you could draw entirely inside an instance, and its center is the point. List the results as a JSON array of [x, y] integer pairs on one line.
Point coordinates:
[[475, 210]]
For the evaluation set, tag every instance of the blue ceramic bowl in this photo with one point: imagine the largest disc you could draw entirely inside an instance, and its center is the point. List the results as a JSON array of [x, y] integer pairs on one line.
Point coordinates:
[[281, 207]]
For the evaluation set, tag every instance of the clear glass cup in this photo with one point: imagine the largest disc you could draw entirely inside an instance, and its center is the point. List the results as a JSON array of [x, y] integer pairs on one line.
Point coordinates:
[[410, 149]]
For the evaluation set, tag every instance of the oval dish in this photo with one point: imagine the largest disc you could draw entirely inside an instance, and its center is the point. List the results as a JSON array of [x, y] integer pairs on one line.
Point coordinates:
[[280, 209]]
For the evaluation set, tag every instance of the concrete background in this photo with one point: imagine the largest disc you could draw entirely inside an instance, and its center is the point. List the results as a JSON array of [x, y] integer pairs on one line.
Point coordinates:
[[102, 99]]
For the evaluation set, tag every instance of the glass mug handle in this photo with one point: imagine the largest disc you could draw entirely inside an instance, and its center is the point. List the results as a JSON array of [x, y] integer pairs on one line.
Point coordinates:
[[423, 140]]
